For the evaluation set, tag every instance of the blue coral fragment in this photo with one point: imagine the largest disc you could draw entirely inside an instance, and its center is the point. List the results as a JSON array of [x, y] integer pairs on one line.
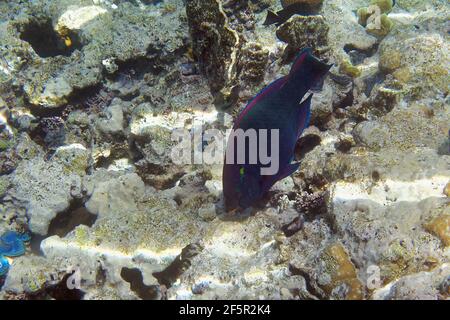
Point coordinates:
[[11, 245], [4, 265]]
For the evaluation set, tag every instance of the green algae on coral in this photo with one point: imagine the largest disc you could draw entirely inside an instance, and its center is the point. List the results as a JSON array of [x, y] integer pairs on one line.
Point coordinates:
[[5, 144], [363, 14], [340, 269], [382, 28], [4, 185], [384, 5], [74, 159], [169, 8], [347, 68], [81, 235], [440, 227], [374, 18]]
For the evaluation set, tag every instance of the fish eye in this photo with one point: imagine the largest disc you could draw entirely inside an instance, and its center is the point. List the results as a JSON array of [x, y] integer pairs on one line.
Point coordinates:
[[242, 171]]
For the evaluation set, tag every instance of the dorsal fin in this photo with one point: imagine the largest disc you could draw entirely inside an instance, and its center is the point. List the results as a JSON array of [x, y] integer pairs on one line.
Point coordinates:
[[299, 60], [275, 85], [306, 56]]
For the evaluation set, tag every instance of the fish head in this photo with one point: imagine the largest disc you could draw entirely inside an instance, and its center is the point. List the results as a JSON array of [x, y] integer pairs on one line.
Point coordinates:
[[241, 187], [250, 189]]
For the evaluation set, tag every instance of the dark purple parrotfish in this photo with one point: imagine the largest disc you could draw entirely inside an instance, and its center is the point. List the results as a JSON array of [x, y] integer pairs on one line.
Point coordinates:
[[277, 106]]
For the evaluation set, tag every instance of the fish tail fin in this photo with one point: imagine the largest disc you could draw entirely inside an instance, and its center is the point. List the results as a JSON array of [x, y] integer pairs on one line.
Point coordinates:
[[306, 71], [271, 18], [306, 58]]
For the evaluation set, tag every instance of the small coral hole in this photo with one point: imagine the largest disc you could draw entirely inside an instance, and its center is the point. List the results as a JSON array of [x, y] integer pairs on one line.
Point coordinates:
[[61, 291], [68, 220], [63, 223], [358, 55], [306, 144], [46, 42]]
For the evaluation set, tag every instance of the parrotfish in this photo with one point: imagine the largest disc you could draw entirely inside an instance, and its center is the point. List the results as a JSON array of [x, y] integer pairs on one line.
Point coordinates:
[[280, 17], [278, 106]]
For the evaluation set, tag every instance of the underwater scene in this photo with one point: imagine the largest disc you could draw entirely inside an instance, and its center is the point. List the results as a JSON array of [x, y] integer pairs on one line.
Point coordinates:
[[224, 150]]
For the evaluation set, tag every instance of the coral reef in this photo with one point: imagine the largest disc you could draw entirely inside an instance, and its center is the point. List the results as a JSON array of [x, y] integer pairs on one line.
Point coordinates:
[[423, 70], [61, 47], [215, 43], [339, 271], [301, 32], [222, 47]]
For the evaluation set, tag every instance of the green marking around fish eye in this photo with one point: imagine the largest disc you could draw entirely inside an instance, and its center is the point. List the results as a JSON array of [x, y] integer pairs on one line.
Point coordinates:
[[242, 171]]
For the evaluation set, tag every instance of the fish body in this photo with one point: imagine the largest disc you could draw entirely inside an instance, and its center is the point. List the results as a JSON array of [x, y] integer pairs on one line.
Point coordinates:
[[279, 106], [283, 15]]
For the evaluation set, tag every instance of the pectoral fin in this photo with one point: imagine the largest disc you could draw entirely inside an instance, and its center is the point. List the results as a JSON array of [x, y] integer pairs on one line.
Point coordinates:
[[269, 181], [288, 170]]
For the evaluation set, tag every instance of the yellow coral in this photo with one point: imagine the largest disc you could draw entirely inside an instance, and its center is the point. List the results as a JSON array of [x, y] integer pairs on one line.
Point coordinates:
[[404, 74], [384, 5], [341, 270], [169, 8], [67, 41], [81, 235], [440, 226], [382, 28], [374, 18], [5, 144], [36, 282], [363, 14], [346, 67], [447, 190]]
